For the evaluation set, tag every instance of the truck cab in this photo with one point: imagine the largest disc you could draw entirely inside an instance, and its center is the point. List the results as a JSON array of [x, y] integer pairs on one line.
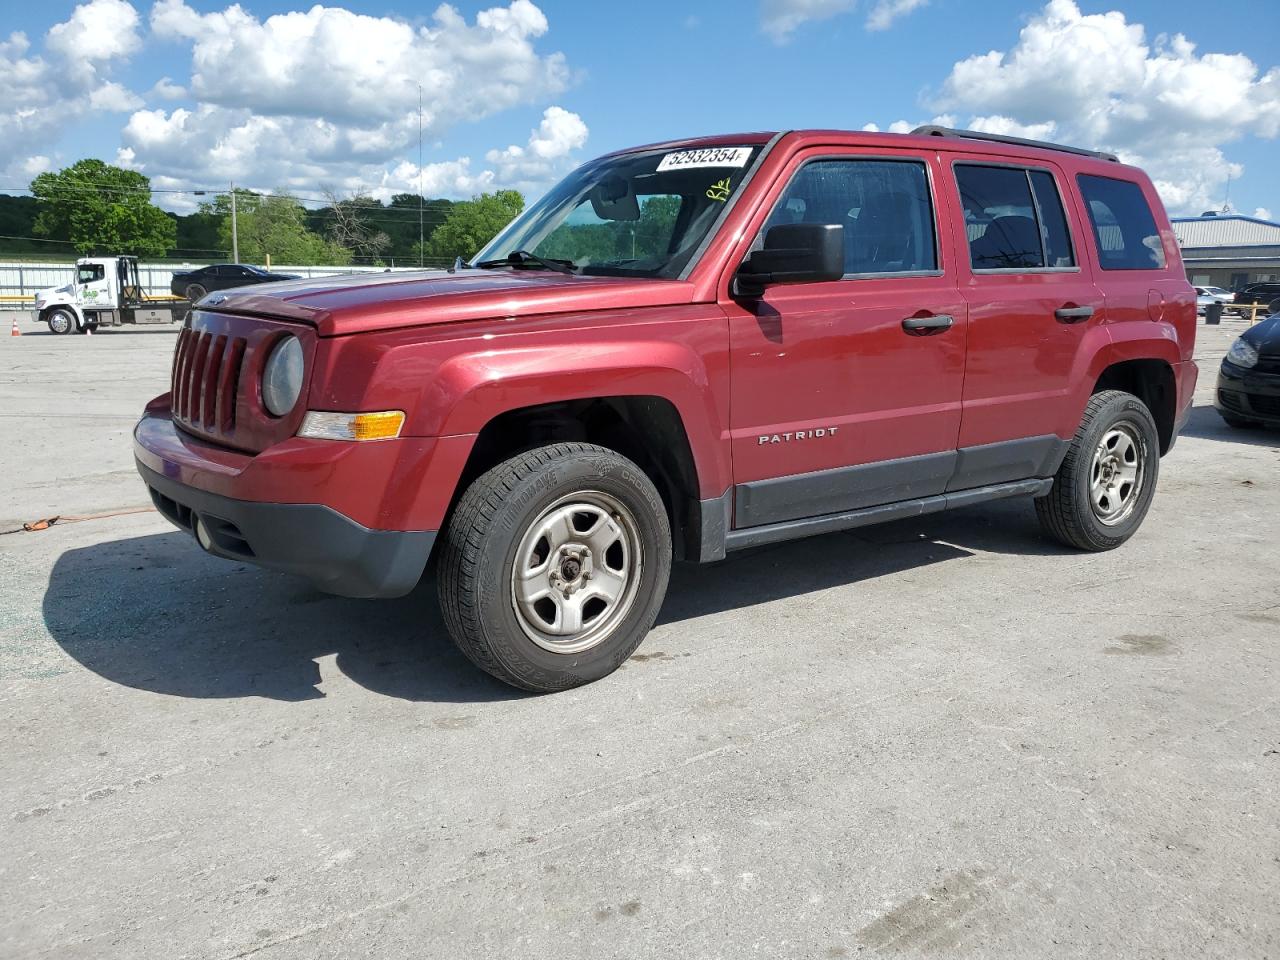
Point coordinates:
[[105, 291], [682, 351]]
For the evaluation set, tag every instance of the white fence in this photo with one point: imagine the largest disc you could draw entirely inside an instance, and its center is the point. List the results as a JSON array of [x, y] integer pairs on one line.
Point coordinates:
[[21, 280]]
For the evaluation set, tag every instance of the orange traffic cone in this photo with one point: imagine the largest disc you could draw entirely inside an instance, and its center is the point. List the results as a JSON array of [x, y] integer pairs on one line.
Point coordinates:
[[15, 332]]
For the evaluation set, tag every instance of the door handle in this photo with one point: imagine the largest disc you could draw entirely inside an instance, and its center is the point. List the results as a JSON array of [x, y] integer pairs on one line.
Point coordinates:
[[1073, 314], [925, 326]]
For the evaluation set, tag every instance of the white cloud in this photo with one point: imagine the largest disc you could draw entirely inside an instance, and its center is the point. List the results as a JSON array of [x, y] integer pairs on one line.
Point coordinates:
[[1008, 127], [113, 98], [1262, 213], [166, 89], [885, 12], [781, 18], [42, 94], [1158, 104], [99, 30], [330, 62], [268, 117], [209, 146]]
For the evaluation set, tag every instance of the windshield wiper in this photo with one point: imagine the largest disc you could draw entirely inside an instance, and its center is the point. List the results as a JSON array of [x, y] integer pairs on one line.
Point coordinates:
[[523, 258]]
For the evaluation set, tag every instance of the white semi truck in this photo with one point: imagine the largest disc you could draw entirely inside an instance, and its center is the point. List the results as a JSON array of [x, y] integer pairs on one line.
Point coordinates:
[[106, 292]]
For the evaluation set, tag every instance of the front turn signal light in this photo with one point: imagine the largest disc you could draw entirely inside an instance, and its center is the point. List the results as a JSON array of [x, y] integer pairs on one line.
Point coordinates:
[[323, 425]]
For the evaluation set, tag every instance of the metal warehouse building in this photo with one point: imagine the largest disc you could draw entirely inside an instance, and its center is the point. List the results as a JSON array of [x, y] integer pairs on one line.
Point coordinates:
[[1228, 250]]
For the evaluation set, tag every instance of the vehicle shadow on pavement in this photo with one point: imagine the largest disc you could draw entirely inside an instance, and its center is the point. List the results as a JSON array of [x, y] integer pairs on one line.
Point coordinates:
[[154, 613], [1205, 423], [797, 567]]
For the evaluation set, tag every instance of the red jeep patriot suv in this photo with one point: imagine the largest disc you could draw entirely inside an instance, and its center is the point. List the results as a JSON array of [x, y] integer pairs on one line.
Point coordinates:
[[680, 351]]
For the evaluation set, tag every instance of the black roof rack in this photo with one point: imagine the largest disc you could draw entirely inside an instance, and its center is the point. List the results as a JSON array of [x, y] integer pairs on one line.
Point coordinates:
[[931, 130]]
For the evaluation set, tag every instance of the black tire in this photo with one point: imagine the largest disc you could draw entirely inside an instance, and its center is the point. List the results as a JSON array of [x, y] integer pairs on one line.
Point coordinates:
[[61, 322], [1068, 512], [1235, 423], [495, 518], [1274, 306], [195, 292]]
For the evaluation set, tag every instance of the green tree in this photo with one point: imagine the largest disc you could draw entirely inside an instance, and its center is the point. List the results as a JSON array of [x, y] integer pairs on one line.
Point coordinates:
[[102, 209], [275, 225], [471, 224]]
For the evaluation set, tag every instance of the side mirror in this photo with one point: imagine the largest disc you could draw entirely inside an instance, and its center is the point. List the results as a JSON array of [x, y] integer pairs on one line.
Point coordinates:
[[794, 253]]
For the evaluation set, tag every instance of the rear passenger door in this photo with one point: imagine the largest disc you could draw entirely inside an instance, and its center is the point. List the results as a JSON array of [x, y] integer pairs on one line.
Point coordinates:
[[846, 394], [1032, 303]]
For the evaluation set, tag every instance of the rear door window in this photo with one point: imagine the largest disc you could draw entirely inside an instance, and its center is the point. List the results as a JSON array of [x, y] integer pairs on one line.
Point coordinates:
[[1123, 226], [1014, 219], [884, 206]]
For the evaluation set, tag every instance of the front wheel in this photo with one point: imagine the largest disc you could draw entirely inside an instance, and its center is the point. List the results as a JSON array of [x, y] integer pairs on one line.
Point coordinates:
[[554, 566], [1103, 489], [61, 322]]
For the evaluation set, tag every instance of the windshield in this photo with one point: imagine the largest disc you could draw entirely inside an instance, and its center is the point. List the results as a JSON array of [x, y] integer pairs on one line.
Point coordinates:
[[90, 272], [636, 215]]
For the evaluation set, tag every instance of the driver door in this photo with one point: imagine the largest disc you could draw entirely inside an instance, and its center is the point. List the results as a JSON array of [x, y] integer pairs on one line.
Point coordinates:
[[94, 286], [846, 394]]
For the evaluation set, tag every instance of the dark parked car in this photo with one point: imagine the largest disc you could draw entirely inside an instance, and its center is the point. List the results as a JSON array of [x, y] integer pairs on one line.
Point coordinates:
[[194, 284], [1249, 380], [1268, 293]]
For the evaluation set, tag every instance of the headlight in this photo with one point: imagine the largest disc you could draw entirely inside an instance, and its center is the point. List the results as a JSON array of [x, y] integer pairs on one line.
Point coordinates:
[[1243, 353], [282, 377]]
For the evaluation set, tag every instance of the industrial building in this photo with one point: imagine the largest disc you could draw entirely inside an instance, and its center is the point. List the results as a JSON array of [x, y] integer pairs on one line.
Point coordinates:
[[1228, 250]]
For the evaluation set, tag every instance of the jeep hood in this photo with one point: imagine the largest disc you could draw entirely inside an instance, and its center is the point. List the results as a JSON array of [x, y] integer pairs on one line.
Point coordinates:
[[356, 303]]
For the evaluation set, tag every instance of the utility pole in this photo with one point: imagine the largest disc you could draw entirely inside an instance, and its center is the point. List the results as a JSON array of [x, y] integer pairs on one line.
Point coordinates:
[[420, 234], [235, 233]]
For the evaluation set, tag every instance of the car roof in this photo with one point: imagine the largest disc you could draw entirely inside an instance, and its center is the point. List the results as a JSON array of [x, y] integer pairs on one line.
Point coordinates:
[[929, 138]]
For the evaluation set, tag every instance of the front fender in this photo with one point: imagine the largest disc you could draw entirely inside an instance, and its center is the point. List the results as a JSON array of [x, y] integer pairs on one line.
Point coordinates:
[[451, 382], [472, 389]]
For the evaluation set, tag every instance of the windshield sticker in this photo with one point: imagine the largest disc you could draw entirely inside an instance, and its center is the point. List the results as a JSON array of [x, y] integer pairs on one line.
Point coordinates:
[[710, 157], [720, 190]]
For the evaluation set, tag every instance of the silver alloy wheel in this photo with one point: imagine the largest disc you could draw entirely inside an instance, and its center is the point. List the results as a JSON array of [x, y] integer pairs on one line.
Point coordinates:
[[60, 321], [1117, 473], [576, 572]]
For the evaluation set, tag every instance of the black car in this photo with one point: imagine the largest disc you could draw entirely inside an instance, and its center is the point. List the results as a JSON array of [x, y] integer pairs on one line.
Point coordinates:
[[194, 284], [1268, 293], [1249, 380]]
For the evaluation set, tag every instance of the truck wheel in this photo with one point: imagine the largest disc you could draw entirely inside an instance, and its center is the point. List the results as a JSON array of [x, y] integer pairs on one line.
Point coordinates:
[[554, 566], [1104, 487], [195, 292], [61, 322]]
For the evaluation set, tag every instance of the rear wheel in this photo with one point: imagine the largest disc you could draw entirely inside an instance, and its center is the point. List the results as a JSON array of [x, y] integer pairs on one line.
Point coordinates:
[[554, 566], [1103, 489], [195, 291], [61, 322]]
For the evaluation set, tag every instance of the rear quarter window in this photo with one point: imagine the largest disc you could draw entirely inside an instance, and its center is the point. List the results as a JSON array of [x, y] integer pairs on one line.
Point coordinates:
[[1124, 228]]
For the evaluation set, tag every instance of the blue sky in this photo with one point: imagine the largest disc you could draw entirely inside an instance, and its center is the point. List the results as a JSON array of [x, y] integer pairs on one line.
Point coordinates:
[[630, 73]]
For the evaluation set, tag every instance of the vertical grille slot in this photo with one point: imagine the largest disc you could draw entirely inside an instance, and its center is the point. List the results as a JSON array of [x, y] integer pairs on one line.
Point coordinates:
[[228, 384], [195, 367], [209, 382], [176, 377]]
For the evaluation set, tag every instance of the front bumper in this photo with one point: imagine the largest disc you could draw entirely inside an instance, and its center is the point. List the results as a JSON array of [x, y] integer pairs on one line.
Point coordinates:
[[311, 540], [356, 519], [1247, 394]]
